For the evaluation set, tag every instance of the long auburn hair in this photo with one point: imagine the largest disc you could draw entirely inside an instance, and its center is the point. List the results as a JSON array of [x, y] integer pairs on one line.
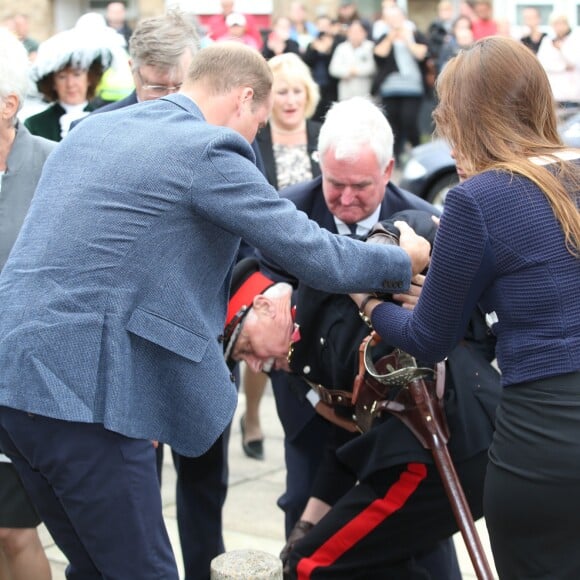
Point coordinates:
[[497, 111]]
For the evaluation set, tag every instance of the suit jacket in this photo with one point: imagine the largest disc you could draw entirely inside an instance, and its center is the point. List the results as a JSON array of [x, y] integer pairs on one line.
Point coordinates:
[[130, 99], [25, 162], [294, 410], [264, 141], [114, 296]]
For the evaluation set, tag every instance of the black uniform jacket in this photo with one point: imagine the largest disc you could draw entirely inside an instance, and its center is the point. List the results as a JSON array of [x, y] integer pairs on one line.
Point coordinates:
[[331, 331]]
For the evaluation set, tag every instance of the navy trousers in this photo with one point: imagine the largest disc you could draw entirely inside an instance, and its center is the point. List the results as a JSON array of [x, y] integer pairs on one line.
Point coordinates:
[[201, 488], [97, 493]]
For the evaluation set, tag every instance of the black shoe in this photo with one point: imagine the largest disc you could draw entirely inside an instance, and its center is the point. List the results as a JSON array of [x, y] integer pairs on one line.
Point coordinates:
[[253, 449]]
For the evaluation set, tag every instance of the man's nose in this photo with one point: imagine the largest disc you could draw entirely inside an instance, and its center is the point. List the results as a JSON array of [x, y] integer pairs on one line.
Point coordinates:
[[348, 196]]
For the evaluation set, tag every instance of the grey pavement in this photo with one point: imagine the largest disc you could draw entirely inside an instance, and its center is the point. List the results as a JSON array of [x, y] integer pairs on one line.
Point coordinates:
[[251, 518]]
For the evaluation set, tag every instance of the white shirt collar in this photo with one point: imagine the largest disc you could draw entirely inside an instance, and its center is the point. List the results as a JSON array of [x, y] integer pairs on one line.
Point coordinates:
[[363, 227]]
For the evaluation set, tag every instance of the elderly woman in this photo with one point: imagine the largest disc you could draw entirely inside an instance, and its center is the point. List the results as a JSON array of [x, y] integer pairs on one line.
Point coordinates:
[[509, 242], [67, 71], [288, 148]]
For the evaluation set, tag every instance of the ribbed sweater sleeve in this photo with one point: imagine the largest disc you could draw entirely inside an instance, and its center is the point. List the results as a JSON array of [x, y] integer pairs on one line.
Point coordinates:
[[499, 247]]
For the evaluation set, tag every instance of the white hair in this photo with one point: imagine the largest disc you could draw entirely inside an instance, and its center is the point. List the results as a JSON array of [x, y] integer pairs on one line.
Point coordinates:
[[353, 124], [14, 67]]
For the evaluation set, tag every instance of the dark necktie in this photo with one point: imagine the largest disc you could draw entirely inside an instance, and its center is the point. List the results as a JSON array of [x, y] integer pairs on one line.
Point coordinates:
[[352, 228]]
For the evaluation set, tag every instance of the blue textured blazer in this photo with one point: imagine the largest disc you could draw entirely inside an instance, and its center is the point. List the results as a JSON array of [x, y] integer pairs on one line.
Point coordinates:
[[114, 296]]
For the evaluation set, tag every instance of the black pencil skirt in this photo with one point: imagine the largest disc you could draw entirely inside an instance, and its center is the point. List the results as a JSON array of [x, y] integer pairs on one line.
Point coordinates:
[[532, 485]]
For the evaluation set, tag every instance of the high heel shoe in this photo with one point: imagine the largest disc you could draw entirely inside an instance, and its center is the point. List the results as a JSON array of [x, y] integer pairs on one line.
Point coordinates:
[[253, 449]]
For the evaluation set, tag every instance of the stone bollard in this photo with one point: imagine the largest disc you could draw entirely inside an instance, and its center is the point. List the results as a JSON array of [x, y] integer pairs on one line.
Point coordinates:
[[246, 565]]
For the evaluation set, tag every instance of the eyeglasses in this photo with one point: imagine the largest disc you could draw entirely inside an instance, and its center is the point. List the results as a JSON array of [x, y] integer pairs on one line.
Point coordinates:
[[157, 90]]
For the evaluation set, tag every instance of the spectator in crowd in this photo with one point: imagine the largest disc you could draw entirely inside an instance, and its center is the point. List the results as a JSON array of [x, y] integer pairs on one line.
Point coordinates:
[[318, 56], [347, 12], [483, 23], [237, 23], [353, 64], [67, 71], [116, 281], [440, 29], [302, 30], [217, 26], [534, 35], [509, 239], [400, 58], [116, 82], [461, 37], [278, 40], [559, 54], [21, 23], [288, 150], [22, 157], [289, 140], [116, 16]]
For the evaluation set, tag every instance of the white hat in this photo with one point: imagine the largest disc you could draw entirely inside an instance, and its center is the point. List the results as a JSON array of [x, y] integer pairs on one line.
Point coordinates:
[[235, 19], [78, 47]]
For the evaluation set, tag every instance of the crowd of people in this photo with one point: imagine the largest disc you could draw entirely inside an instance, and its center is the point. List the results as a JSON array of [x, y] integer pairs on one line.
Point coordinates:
[[163, 262]]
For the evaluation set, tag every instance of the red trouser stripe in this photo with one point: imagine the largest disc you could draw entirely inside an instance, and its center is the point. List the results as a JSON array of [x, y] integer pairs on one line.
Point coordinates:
[[365, 522]]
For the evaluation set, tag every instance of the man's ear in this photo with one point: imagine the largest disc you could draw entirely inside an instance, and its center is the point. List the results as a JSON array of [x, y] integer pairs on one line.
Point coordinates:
[[262, 305], [10, 107], [246, 96], [387, 174]]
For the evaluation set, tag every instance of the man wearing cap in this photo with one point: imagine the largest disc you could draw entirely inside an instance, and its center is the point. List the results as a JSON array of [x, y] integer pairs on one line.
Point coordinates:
[[384, 505], [114, 300], [236, 23], [218, 25], [354, 192]]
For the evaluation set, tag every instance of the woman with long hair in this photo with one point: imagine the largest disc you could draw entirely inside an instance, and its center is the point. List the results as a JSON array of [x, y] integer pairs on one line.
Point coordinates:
[[509, 241]]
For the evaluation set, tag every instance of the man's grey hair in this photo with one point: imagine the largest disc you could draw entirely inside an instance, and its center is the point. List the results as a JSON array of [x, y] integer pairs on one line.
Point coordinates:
[[160, 41], [353, 124], [14, 67]]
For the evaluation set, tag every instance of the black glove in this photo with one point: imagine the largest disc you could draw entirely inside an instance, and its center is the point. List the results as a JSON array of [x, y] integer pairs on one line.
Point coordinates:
[[298, 531], [419, 220], [380, 235]]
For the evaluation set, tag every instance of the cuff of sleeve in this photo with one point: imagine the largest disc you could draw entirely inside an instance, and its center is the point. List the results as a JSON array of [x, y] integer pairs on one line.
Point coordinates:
[[313, 397]]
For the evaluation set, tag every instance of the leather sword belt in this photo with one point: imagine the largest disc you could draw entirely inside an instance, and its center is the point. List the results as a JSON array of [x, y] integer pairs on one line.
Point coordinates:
[[395, 383], [386, 385]]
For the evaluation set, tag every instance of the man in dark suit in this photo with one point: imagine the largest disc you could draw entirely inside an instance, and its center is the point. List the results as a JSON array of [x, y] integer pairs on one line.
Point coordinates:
[[114, 298], [353, 193]]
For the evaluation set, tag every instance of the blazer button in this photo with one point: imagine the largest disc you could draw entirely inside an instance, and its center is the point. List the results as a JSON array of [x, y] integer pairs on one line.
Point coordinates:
[[306, 370], [232, 377], [221, 338]]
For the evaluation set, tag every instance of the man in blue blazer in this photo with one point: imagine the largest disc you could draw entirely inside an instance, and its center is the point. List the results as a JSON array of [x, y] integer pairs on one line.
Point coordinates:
[[114, 300], [355, 148], [161, 49]]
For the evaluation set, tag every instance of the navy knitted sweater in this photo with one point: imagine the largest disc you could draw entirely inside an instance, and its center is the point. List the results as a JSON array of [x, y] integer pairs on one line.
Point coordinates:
[[498, 245]]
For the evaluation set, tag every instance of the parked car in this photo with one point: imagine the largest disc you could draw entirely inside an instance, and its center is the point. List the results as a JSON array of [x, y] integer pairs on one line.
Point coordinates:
[[430, 169]]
